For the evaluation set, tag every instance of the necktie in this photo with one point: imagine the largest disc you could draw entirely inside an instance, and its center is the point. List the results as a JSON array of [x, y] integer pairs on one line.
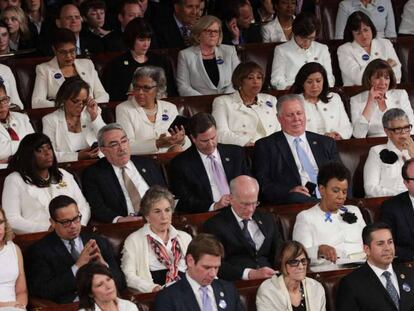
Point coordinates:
[[132, 191], [186, 35], [13, 134], [205, 299], [299, 4], [391, 289], [219, 176], [306, 163], [73, 251], [246, 233]]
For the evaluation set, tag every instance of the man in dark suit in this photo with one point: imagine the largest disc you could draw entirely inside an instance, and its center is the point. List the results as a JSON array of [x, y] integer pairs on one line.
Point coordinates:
[[377, 285], [53, 261], [200, 175], [250, 237], [104, 185], [398, 213], [200, 289], [286, 163]]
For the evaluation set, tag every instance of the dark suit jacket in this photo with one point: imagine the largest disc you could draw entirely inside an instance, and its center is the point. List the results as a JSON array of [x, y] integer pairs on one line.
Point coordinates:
[[274, 166], [361, 290], [103, 191], [398, 213], [49, 263], [189, 179], [238, 255], [250, 35], [167, 33], [180, 297]]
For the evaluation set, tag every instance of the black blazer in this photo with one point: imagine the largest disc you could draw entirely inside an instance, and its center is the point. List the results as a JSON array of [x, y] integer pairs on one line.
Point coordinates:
[[189, 179], [361, 290], [49, 264], [250, 35], [180, 297], [398, 213], [274, 166], [238, 255], [167, 33], [103, 191]]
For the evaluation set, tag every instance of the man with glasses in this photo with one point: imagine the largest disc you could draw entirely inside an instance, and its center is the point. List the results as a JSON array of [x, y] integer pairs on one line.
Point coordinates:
[[54, 260], [114, 185], [382, 170], [250, 237]]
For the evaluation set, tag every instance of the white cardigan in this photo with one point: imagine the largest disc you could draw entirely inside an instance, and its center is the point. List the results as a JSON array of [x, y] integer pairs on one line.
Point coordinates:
[[273, 295]]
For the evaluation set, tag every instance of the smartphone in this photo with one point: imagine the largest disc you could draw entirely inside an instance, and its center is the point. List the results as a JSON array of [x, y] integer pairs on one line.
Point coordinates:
[[94, 145]]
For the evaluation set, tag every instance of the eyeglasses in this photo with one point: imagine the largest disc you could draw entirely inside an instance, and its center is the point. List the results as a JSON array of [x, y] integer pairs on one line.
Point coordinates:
[[401, 130], [144, 88], [117, 144], [246, 205], [296, 262], [5, 101], [70, 52], [66, 223], [211, 32]]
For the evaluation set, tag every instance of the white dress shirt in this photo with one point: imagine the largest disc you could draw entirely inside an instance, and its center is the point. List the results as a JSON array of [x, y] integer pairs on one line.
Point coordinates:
[[407, 19], [273, 32], [196, 290], [378, 272], [78, 246]]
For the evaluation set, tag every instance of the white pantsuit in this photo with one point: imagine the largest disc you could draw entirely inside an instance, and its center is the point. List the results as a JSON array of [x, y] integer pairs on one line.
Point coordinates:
[[6, 75], [273, 32]]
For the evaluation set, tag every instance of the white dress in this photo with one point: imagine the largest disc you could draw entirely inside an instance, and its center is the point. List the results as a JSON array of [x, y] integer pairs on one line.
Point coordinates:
[[9, 272]]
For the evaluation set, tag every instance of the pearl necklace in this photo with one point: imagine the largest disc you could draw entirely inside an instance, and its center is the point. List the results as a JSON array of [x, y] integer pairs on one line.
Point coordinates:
[[151, 112]]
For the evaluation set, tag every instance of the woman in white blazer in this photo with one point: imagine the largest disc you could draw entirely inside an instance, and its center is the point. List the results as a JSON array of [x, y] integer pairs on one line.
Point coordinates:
[[143, 263], [35, 180], [74, 126], [292, 289], [146, 119], [289, 57], [325, 111], [361, 47], [368, 107], [7, 77], [246, 115], [206, 67], [382, 170], [280, 29], [51, 75]]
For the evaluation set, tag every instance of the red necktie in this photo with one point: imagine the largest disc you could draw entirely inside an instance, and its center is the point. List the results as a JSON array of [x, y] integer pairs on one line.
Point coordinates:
[[13, 134]]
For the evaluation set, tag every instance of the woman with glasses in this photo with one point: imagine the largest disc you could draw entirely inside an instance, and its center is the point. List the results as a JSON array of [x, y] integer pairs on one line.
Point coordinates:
[[35, 180], [291, 290], [206, 67], [382, 170], [331, 230], [74, 126], [51, 75], [368, 107], [146, 119]]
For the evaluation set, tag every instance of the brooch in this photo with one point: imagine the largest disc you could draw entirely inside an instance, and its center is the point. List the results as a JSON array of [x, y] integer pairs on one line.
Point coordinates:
[[62, 184], [388, 157], [348, 217]]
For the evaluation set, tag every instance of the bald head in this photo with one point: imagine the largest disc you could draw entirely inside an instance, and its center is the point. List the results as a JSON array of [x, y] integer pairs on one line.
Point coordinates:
[[244, 196], [70, 18]]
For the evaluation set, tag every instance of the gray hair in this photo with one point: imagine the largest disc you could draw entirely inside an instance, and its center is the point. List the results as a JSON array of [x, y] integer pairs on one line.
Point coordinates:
[[393, 114], [107, 128], [152, 196], [235, 181], [287, 98], [155, 73]]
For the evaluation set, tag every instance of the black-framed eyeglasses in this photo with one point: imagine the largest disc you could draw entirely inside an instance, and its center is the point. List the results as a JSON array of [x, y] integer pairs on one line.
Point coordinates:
[[5, 101], [295, 262], [401, 130], [67, 222], [116, 144], [144, 88]]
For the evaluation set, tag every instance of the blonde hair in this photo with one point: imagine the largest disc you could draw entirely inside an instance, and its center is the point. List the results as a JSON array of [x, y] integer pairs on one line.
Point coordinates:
[[203, 23], [22, 19], [8, 232], [290, 250]]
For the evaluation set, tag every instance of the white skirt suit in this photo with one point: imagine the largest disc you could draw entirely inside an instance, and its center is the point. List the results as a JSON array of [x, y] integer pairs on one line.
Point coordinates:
[[56, 128], [238, 124], [192, 77], [141, 132], [382, 179], [135, 261], [273, 32], [323, 117], [312, 230], [288, 58], [27, 206], [6, 75], [396, 98], [49, 78], [273, 295], [353, 59]]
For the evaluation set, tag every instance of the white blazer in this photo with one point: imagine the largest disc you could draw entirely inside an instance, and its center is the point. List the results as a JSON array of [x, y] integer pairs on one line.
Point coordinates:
[[273, 295], [135, 258], [20, 123], [27, 206], [55, 126], [123, 305], [312, 230], [238, 125], [332, 114], [192, 77], [288, 58], [353, 59], [273, 32], [6, 75], [407, 19], [49, 78], [382, 179], [396, 98], [141, 132]]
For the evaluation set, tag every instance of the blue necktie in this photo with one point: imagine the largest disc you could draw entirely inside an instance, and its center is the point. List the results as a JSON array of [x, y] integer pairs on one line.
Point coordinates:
[[205, 299], [391, 289]]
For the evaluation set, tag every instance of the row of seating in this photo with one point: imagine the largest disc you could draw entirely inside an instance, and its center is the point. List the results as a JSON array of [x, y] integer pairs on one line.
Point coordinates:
[[262, 53]]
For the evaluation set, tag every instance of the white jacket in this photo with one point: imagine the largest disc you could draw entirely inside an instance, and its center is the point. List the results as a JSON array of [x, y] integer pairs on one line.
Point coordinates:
[[10, 83], [123, 305], [407, 19], [273, 32]]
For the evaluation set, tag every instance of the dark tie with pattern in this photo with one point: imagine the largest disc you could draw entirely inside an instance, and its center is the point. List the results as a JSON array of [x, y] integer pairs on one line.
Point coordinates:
[[73, 251], [246, 234], [391, 289]]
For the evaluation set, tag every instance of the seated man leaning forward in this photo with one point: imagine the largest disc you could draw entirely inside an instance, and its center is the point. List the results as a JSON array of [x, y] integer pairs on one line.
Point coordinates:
[[250, 237]]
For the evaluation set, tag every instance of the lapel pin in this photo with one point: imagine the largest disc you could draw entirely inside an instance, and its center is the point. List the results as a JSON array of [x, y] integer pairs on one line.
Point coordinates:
[[227, 159], [260, 222], [406, 287], [402, 276], [84, 126], [144, 170], [126, 63], [222, 304], [221, 294], [57, 75], [314, 143], [13, 124], [164, 117], [83, 73], [165, 110], [315, 59]]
